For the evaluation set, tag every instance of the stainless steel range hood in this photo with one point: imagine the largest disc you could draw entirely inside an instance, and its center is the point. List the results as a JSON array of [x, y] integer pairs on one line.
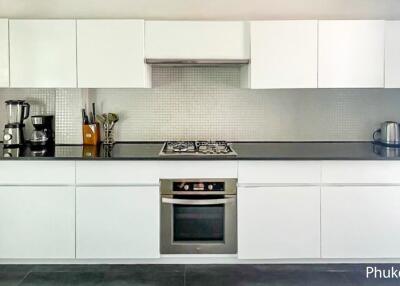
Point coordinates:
[[197, 62]]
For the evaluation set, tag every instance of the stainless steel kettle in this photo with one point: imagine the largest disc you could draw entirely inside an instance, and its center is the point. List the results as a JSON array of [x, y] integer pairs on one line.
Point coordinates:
[[389, 133]]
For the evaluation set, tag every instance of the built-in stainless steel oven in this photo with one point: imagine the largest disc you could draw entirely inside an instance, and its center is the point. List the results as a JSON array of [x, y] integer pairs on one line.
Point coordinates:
[[198, 216]]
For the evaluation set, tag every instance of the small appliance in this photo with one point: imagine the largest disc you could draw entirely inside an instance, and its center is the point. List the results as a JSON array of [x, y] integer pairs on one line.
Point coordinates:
[[43, 133], [198, 148], [388, 134], [198, 216], [16, 111]]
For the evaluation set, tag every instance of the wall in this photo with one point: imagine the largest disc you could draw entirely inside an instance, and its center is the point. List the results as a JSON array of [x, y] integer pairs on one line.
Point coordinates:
[[207, 103], [200, 9]]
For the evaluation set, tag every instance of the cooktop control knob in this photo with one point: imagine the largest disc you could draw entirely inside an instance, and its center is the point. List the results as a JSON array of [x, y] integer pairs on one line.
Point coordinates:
[[7, 137], [210, 187], [186, 187]]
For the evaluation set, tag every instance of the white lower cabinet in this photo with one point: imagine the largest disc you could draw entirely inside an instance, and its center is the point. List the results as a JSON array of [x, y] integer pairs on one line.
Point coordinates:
[[279, 222], [360, 222], [37, 222], [117, 222]]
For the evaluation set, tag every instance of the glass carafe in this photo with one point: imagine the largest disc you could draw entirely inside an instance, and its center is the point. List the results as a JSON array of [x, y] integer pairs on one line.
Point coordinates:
[[17, 111]]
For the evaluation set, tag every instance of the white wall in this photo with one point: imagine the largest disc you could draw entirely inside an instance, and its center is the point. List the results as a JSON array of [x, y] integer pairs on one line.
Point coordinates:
[[200, 9]]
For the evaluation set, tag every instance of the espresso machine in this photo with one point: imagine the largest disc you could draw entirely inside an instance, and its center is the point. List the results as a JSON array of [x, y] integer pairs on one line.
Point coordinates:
[[16, 111]]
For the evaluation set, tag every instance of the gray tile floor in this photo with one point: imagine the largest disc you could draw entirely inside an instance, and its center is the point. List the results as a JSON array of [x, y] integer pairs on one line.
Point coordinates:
[[192, 275]]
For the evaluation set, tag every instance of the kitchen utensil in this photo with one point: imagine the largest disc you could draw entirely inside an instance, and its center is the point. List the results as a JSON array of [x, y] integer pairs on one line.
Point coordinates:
[[109, 122], [85, 119], [94, 112], [100, 119], [388, 134]]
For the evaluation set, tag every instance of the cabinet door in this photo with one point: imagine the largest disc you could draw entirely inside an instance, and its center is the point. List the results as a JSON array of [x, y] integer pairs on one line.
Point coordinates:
[[197, 40], [37, 222], [392, 55], [111, 54], [360, 222], [351, 54], [284, 54], [117, 222], [279, 222], [4, 68], [43, 53]]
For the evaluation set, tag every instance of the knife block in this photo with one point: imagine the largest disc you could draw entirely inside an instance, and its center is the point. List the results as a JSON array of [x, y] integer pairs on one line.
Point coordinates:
[[91, 134]]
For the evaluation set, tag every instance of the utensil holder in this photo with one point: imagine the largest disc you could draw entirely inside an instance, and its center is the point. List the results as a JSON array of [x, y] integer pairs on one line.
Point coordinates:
[[108, 135], [91, 134]]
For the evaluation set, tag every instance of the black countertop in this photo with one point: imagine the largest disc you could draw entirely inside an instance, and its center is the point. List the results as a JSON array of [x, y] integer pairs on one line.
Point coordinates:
[[245, 151]]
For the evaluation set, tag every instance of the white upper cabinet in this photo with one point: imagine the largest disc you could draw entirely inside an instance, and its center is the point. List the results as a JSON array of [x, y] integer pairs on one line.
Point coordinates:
[[284, 54], [43, 53], [196, 40], [392, 54], [4, 68], [111, 54], [351, 54]]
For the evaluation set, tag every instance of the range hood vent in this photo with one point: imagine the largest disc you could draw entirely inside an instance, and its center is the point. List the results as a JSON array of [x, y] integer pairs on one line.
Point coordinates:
[[196, 62]]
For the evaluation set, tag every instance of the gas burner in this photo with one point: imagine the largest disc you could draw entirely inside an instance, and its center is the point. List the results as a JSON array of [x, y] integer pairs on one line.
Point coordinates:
[[213, 148], [179, 147]]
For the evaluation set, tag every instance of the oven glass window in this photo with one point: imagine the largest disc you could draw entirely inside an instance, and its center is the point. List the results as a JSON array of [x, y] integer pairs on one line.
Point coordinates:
[[198, 223]]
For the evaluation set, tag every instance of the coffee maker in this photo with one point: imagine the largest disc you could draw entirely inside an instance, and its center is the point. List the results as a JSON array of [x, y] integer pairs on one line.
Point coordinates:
[[43, 133], [16, 111]]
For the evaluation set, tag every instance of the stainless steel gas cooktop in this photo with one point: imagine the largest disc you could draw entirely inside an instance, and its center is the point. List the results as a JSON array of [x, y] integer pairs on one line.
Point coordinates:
[[208, 148]]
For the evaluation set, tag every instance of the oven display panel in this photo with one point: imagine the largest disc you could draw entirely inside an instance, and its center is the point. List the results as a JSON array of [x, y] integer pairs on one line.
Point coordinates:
[[198, 186]]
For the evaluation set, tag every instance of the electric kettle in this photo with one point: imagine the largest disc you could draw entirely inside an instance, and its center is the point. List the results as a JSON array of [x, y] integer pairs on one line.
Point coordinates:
[[388, 134]]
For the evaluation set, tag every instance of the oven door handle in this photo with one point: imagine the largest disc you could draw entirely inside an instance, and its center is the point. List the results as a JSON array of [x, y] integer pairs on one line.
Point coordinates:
[[197, 202]]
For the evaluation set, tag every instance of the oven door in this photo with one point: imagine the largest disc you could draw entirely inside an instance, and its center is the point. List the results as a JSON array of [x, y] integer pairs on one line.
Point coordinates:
[[203, 225]]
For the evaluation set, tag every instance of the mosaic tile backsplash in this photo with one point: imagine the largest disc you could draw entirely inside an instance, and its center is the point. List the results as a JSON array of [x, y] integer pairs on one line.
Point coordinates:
[[207, 103]]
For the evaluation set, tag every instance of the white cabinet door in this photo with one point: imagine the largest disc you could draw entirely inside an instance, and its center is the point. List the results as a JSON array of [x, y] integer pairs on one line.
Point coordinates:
[[284, 54], [37, 222], [351, 54], [117, 222], [43, 53], [279, 222], [360, 222], [111, 54], [196, 40], [392, 54], [4, 67]]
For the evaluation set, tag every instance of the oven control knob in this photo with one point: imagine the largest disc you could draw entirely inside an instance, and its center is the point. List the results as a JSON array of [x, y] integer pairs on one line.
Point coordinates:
[[7, 137], [186, 187], [210, 187]]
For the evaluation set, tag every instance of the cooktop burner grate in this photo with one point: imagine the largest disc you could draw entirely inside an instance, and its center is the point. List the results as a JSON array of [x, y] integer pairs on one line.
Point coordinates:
[[213, 148]]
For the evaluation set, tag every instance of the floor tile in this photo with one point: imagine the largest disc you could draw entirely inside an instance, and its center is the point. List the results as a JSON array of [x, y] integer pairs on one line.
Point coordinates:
[[63, 279], [142, 278], [360, 279], [335, 278], [15, 267], [11, 278], [70, 268], [224, 275], [147, 267]]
